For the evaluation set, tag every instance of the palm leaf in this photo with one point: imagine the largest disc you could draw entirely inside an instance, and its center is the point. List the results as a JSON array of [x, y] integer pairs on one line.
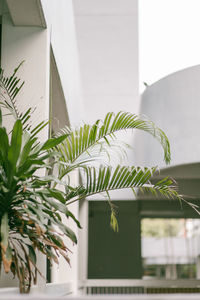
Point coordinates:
[[105, 179], [80, 142], [10, 87]]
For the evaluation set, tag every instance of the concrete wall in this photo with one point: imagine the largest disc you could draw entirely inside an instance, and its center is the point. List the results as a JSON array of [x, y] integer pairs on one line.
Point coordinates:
[[60, 21], [30, 44], [173, 104], [107, 37]]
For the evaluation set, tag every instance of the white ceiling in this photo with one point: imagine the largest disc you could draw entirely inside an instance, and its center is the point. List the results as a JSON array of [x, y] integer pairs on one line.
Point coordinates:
[[26, 12]]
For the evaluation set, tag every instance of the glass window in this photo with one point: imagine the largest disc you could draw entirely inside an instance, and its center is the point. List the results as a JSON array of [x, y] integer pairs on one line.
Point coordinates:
[[170, 248]]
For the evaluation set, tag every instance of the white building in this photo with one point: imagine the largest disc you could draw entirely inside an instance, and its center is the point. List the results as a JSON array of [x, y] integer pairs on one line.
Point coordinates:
[[81, 61]]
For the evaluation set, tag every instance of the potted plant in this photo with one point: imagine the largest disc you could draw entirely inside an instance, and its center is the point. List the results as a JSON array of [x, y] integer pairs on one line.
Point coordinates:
[[31, 205]]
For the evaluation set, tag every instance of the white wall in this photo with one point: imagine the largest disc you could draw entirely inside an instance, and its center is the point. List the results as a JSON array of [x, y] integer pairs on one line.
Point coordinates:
[[31, 45], [173, 104], [60, 21], [107, 37]]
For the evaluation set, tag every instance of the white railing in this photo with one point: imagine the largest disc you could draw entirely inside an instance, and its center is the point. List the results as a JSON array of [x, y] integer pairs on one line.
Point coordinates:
[[148, 286], [142, 282], [64, 291]]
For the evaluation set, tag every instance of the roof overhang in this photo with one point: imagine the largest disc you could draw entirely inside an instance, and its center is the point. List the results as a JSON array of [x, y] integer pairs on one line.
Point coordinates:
[[186, 179], [184, 171], [26, 12]]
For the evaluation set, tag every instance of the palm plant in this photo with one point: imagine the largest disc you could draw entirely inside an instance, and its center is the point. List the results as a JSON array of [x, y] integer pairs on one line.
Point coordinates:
[[29, 209], [31, 205]]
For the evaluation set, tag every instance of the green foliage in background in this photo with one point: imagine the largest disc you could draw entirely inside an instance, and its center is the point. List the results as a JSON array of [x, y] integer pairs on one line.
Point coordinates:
[[160, 228]]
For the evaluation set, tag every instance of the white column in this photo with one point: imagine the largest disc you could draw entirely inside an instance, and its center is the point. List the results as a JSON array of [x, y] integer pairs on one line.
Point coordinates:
[[29, 44]]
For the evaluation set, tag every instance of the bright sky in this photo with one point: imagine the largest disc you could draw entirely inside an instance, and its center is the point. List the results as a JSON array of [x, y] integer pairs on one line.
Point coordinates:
[[169, 32]]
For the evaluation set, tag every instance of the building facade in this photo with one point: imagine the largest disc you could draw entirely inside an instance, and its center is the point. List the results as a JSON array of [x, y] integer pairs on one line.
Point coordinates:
[[81, 61]]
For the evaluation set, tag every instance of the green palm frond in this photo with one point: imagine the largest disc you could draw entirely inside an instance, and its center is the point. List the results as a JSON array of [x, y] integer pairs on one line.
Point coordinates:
[[105, 179], [79, 144], [10, 87]]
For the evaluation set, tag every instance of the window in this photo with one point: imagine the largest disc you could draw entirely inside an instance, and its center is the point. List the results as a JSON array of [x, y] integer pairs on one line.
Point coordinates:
[[170, 248]]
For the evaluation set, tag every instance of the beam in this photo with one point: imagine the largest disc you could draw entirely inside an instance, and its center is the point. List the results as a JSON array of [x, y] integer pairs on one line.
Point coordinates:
[[26, 13]]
